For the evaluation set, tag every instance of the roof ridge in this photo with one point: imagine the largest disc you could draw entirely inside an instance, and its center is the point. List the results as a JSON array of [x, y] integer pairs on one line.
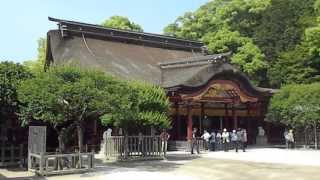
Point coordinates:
[[194, 60], [125, 31]]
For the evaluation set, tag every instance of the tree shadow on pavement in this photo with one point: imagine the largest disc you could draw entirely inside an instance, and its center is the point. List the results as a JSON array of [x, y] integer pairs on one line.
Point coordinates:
[[172, 162]]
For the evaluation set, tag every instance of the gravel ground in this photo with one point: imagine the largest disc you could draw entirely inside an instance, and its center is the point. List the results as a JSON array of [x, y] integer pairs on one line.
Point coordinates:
[[255, 164]]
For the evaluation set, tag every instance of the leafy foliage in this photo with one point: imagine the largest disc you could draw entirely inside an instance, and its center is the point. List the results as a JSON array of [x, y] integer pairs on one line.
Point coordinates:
[[38, 64], [144, 104], [121, 22], [64, 96], [268, 38], [11, 75], [296, 105]]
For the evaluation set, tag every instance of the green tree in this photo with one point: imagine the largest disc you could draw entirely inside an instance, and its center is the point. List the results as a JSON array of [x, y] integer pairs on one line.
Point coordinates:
[[296, 105], [65, 97], [261, 34], [145, 106], [11, 75], [120, 22], [38, 65]]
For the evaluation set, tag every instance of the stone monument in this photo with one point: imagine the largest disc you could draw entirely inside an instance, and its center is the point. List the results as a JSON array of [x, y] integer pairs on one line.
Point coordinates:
[[261, 139], [106, 134]]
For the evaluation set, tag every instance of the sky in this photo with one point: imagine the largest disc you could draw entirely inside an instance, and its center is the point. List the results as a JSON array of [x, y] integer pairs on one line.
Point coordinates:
[[23, 22]]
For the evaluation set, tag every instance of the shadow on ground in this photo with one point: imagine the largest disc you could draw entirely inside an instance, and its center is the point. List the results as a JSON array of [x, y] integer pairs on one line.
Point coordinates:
[[171, 163]]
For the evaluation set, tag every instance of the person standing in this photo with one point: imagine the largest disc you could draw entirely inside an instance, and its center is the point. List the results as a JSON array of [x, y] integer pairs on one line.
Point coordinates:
[[194, 143], [225, 139], [212, 141], [244, 140], [206, 137], [290, 139], [164, 136], [218, 140], [234, 140]]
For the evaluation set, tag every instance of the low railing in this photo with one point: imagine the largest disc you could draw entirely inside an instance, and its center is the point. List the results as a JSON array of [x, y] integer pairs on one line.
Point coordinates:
[[11, 155], [50, 164], [133, 147]]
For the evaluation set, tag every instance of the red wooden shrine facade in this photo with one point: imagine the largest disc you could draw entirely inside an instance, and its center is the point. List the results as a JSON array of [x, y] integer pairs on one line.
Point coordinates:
[[216, 105]]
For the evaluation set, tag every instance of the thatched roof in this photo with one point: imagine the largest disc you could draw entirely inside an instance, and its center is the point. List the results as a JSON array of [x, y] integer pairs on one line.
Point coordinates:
[[196, 72], [126, 54], [163, 60]]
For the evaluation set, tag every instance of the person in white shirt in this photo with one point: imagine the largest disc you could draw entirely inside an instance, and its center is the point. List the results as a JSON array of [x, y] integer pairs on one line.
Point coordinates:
[[206, 137], [225, 139]]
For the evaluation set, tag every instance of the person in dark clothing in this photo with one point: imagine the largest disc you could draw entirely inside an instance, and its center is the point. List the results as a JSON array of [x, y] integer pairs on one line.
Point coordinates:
[[240, 138], [234, 139], [194, 142], [244, 140], [212, 141]]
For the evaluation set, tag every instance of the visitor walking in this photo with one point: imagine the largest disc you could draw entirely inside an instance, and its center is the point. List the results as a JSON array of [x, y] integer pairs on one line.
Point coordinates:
[[164, 136], [194, 142], [234, 140], [225, 139], [212, 141], [206, 137], [290, 139]]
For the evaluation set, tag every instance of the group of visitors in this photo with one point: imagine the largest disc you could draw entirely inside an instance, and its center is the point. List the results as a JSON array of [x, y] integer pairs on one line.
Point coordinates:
[[216, 140]]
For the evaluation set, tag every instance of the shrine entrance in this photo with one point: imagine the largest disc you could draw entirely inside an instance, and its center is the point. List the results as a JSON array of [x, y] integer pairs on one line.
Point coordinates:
[[217, 105]]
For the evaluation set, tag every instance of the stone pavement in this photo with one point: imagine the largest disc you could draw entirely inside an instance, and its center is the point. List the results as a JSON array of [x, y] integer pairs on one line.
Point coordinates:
[[274, 164]]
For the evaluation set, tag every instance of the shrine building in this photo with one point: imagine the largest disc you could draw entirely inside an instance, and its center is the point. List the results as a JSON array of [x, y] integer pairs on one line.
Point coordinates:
[[205, 90]]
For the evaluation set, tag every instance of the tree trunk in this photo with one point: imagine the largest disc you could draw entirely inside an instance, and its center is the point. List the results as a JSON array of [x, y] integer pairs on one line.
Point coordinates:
[[80, 137], [125, 143], [305, 137], [60, 141], [315, 136]]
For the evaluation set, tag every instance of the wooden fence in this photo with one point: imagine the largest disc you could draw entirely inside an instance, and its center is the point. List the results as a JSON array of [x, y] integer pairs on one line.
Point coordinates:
[[306, 137], [11, 155], [133, 147], [50, 164]]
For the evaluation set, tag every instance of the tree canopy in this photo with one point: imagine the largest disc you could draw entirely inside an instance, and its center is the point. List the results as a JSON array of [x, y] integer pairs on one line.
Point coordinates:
[[11, 75], [64, 96], [270, 40], [38, 64], [121, 22], [296, 105], [145, 106]]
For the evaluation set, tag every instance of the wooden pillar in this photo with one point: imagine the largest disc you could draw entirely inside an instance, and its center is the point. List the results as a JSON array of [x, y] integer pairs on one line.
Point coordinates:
[[234, 117], [226, 114], [201, 117], [221, 123], [178, 121], [189, 129]]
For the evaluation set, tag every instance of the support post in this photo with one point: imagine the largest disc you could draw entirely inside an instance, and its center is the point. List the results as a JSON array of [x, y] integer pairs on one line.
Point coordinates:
[[2, 152], [221, 123], [315, 136], [11, 154], [189, 130], [29, 161], [41, 163], [201, 118], [226, 116], [21, 155], [235, 120], [178, 120]]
